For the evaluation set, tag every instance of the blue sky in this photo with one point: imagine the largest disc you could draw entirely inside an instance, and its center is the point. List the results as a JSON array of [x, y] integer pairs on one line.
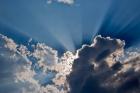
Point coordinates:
[[70, 26], [66, 27]]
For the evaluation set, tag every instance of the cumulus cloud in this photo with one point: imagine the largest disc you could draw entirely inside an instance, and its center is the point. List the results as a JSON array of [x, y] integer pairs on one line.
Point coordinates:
[[15, 73], [69, 2], [36, 71], [98, 69], [102, 67]]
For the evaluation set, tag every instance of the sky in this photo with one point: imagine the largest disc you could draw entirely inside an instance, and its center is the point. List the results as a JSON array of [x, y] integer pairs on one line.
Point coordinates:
[[69, 46], [67, 26]]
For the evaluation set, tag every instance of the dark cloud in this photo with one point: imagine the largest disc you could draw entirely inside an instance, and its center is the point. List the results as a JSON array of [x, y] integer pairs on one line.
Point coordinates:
[[97, 71]]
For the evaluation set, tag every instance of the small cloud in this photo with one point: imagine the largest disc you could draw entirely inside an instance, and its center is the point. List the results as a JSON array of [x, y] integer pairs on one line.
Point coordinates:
[[69, 2], [49, 1]]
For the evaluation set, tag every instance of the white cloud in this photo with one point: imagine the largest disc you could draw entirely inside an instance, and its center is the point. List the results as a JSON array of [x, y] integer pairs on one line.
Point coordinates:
[[9, 43], [69, 2], [25, 71], [49, 1], [66, 1]]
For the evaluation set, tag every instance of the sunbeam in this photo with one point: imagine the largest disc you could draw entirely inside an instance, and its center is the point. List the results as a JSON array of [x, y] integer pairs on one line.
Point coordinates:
[[67, 27], [69, 46], [122, 21], [93, 16]]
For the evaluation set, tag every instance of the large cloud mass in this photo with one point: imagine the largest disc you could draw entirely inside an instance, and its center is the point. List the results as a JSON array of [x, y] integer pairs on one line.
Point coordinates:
[[102, 67], [99, 69]]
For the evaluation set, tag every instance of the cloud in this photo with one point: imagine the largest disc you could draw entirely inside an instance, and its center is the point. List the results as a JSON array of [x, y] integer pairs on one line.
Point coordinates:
[[66, 1], [98, 69], [102, 67], [36, 71], [15, 73], [69, 2]]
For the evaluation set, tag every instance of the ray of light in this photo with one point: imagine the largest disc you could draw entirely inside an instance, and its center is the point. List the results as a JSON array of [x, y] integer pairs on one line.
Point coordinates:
[[122, 21], [65, 29], [93, 17]]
